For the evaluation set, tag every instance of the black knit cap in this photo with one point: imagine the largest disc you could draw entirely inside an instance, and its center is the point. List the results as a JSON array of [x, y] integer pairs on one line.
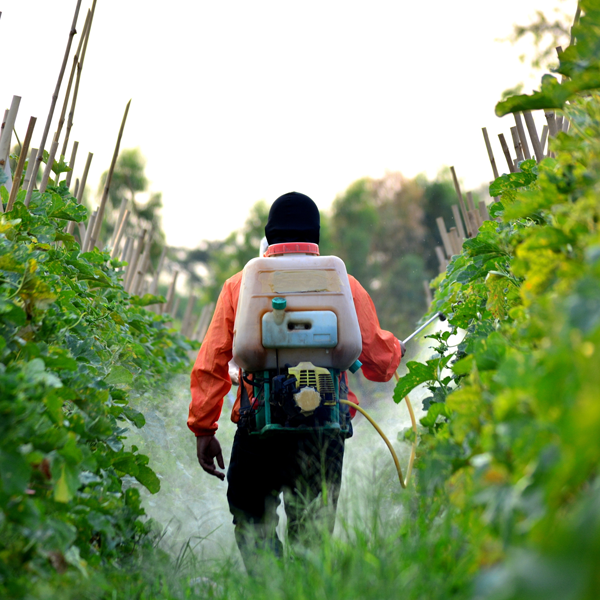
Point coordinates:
[[293, 217]]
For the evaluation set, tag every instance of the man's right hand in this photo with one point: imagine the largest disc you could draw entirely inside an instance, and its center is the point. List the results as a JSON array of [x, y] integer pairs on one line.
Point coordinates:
[[207, 449]]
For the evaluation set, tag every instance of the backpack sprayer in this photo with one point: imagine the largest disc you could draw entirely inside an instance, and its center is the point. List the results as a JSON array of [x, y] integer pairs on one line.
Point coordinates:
[[295, 333]]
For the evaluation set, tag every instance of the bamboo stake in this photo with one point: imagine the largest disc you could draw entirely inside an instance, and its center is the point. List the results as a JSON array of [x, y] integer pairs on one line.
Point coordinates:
[[72, 164], [535, 140], [444, 235], [82, 233], [90, 225], [77, 80], [30, 166], [161, 261], [551, 119], [171, 293], [489, 151], [575, 21], [121, 230], [6, 136], [119, 219], [49, 165], [131, 271], [545, 138], [4, 121], [439, 251], [40, 155], [461, 201], [483, 211], [455, 241], [141, 266], [522, 136], [125, 248], [63, 112], [81, 190], [22, 158], [205, 319], [187, 316], [458, 221], [146, 265], [473, 213], [76, 189], [108, 181], [559, 123], [517, 144], [511, 166], [427, 289], [176, 306]]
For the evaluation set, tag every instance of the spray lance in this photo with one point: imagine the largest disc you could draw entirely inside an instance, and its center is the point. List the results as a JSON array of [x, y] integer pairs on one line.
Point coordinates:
[[403, 481]]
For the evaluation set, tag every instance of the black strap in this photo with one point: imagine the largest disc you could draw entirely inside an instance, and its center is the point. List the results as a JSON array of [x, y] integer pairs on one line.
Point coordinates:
[[244, 400]]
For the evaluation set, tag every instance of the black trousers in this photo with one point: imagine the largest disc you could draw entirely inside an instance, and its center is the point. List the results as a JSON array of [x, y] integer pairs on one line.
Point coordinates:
[[306, 467]]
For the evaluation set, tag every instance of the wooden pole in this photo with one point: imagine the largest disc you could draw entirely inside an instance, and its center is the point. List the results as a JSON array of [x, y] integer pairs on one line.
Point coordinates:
[[121, 230], [125, 248], [522, 136], [483, 211], [77, 80], [490, 153], [544, 139], [439, 251], [142, 266], [551, 119], [22, 158], [30, 166], [119, 219], [473, 213], [9, 124], [132, 269], [455, 241], [90, 226], [72, 164], [40, 155], [108, 181], [511, 166], [63, 112], [427, 289], [458, 221], [49, 165], [444, 235], [461, 201], [159, 268], [81, 190], [517, 144], [171, 293], [535, 140], [187, 317]]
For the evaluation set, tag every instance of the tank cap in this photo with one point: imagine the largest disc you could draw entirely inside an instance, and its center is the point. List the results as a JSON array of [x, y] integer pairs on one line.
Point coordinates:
[[355, 366], [279, 303], [293, 248]]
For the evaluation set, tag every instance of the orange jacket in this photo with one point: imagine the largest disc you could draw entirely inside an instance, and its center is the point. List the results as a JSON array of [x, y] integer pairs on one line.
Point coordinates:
[[210, 376]]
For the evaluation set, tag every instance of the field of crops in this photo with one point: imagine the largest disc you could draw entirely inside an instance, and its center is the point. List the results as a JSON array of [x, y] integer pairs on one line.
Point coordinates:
[[100, 493]]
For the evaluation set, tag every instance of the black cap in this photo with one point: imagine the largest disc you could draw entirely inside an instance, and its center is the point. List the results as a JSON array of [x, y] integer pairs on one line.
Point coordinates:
[[293, 217]]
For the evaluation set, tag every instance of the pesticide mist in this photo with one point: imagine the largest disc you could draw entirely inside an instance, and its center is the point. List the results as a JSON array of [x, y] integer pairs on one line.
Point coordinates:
[[191, 509]]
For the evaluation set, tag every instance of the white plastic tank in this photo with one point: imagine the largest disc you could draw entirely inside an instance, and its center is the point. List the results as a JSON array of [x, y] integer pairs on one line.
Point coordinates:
[[319, 323]]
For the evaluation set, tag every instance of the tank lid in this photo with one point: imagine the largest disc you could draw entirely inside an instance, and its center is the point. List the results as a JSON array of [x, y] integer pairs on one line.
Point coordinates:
[[293, 248], [279, 303]]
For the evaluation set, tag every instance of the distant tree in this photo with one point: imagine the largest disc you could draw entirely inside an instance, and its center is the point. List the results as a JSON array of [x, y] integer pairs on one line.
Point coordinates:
[[128, 182]]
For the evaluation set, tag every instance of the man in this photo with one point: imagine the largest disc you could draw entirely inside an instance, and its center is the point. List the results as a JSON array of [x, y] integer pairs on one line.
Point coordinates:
[[307, 468]]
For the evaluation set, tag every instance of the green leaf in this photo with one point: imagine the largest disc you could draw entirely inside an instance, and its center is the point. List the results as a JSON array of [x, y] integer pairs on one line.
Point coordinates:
[[135, 416], [14, 472], [147, 300], [148, 478], [119, 376], [435, 410], [418, 373]]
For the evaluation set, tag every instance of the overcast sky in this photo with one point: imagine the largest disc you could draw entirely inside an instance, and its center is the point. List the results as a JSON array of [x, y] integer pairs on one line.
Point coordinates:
[[237, 101]]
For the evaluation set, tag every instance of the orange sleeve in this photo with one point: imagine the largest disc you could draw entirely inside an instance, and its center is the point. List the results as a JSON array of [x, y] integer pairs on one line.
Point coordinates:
[[381, 352], [210, 381]]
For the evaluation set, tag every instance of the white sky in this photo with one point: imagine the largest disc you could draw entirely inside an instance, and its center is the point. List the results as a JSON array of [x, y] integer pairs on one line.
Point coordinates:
[[237, 101]]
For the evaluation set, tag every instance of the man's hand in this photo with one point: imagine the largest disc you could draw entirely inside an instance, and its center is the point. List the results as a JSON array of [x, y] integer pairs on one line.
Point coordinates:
[[207, 449]]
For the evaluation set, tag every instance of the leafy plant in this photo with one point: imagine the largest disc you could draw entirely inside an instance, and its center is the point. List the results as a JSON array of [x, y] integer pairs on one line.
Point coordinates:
[[72, 344]]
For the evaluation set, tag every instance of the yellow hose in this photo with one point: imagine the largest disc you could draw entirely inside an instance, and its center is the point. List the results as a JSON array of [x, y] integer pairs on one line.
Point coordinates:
[[403, 482]]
